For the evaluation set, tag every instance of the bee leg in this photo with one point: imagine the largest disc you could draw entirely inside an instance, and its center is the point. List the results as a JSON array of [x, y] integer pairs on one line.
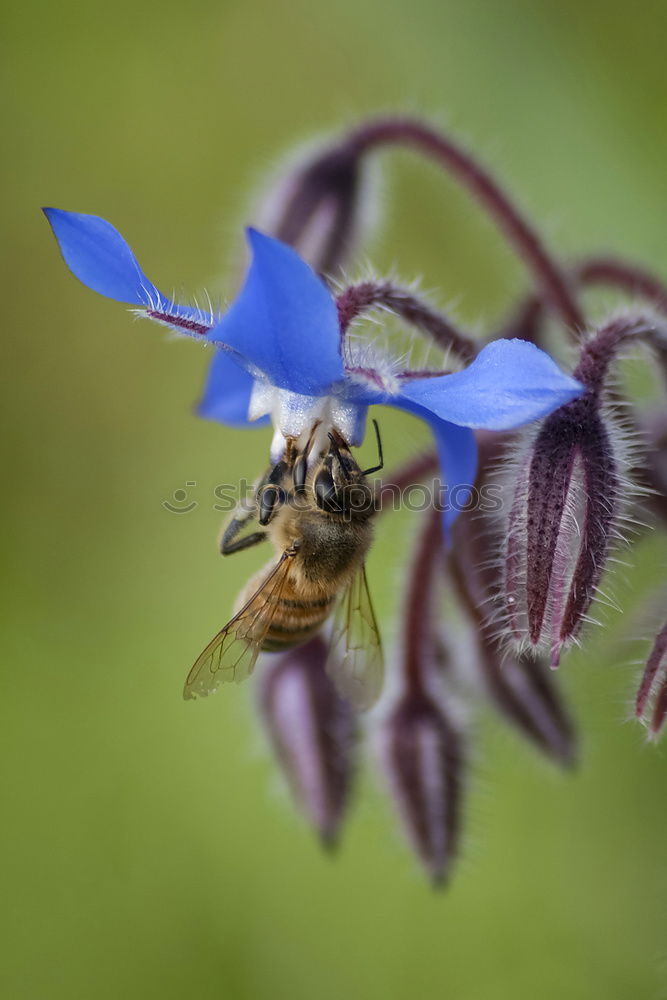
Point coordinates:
[[227, 548], [227, 543], [300, 467]]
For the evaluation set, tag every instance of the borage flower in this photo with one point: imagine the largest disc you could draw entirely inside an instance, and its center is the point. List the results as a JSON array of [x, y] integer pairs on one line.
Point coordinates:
[[282, 353]]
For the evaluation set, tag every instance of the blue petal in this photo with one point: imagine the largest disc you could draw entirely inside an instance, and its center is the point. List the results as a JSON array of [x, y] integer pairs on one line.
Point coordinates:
[[227, 393], [284, 322], [510, 383], [99, 257], [457, 452], [457, 455]]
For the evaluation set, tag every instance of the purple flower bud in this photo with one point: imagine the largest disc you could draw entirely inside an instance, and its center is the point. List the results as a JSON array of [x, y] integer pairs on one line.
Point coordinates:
[[518, 685], [653, 471], [422, 755], [659, 709], [523, 690], [654, 682], [421, 748], [316, 207], [569, 499], [312, 733], [561, 524]]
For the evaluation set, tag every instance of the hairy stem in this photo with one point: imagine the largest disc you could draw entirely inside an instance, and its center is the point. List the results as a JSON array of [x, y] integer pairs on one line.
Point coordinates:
[[415, 470], [357, 299], [622, 275], [601, 350], [418, 620], [548, 275], [653, 664], [589, 273]]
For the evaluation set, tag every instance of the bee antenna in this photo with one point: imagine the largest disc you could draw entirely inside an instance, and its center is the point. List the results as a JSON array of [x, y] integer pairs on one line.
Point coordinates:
[[300, 469], [380, 465], [336, 450], [311, 438]]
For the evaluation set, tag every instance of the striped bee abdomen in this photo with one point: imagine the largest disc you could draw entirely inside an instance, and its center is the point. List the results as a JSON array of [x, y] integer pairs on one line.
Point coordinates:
[[296, 618]]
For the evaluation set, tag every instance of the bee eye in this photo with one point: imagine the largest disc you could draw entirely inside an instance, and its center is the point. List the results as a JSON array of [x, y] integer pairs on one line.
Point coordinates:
[[299, 473], [270, 498], [325, 493]]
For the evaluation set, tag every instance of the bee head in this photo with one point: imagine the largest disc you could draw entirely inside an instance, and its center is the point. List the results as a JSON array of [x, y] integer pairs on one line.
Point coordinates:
[[340, 485]]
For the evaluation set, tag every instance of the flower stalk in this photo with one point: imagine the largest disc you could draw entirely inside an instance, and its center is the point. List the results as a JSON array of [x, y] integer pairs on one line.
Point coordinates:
[[450, 155], [654, 685], [357, 299], [590, 272], [332, 177], [422, 744]]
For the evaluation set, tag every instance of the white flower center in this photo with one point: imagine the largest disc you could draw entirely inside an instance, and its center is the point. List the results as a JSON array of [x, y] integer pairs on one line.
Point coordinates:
[[294, 415]]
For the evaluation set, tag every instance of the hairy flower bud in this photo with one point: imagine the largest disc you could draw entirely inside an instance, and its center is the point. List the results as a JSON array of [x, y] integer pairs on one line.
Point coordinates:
[[653, 471], [653, 686], [312, 733], [524, 692], [422, 754], [316, 207], [561, 524], [569, 499], [518, 685]]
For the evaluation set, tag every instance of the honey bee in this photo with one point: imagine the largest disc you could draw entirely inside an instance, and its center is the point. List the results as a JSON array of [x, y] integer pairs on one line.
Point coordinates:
[[317, 512]]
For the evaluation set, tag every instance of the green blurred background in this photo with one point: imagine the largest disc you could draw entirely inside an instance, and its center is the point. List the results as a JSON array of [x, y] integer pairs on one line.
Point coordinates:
[[149, 849]]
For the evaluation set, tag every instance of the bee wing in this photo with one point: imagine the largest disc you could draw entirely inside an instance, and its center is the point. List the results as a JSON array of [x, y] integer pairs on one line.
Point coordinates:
[[355, 662], [232, 654]]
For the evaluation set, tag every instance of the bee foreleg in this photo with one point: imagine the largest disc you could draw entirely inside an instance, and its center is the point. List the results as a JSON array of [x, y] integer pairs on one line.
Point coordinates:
[[228, 548], [269, 496], [228, 544]]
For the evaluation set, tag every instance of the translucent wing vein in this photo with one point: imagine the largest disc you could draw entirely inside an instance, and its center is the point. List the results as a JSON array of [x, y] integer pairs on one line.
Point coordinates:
[[231, 655], [355, 662]]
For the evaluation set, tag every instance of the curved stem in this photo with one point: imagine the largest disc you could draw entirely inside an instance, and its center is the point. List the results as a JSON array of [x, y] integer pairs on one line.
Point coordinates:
[[525, 323], [600, 351], [418, 616], [656, 658], [357, 299], [589, 273], [635, 280], [402, 478], [620, 274], [549, 276], [652, 471]]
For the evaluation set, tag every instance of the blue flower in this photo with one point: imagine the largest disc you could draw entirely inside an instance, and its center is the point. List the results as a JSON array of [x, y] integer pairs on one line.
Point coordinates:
[[280, 354]]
